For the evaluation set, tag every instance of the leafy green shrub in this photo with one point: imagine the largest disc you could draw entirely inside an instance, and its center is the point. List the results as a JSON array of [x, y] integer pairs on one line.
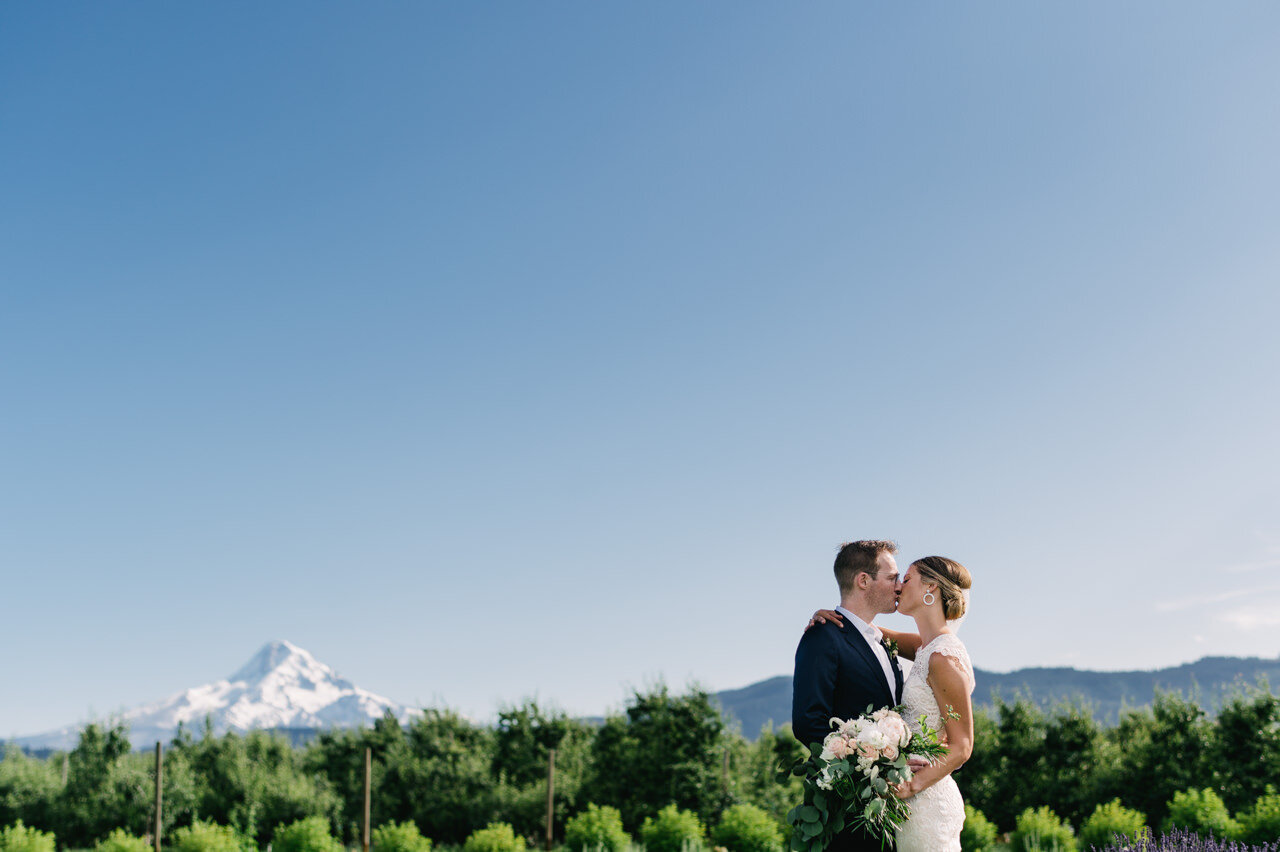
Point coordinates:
[[400, 837], [1108, 820], [20, 838], [310, 834], [122, 841], [1261, 823], [672, 830], [495, 837], [1202, 812], [746, 828], [1040, 830], [596, 827], [207, 837], [979, 833]]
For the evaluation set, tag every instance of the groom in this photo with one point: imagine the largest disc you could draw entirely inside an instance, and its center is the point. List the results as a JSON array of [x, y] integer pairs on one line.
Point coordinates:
[[842, 669]]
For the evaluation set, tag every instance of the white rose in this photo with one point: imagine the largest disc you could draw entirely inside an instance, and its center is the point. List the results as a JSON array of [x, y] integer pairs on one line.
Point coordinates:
[[873, 738]]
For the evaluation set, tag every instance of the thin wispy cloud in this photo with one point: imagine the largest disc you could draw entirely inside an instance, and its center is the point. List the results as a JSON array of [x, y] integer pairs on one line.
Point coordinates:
[[1249, 567], [1252, 617], [1194, 601]]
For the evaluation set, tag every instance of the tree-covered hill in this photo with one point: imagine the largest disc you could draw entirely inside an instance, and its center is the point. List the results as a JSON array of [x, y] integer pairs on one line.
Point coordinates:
[[1107, 694]]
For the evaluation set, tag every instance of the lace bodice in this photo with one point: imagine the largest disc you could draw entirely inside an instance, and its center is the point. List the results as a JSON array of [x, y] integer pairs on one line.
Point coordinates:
[[937, 813], [917, 695]]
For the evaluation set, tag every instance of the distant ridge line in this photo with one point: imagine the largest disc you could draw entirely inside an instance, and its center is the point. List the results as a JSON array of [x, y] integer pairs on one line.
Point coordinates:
[[1208, 681]]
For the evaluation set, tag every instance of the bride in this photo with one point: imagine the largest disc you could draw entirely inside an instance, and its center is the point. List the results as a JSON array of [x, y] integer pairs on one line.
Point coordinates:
[[935, 592]]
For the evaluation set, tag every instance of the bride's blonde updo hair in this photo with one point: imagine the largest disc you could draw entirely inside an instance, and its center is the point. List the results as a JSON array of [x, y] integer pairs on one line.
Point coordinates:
[[953, 580]]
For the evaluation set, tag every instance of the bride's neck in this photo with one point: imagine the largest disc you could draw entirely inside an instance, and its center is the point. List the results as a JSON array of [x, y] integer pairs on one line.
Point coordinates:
[[930, 625]]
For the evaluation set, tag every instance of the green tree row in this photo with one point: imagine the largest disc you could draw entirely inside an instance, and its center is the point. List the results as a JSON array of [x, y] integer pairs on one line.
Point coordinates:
[[449, 776], [1025, 758], [442, 773]]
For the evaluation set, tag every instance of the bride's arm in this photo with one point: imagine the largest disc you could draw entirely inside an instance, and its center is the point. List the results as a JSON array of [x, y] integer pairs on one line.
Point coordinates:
[[951, 690], [908, 643]]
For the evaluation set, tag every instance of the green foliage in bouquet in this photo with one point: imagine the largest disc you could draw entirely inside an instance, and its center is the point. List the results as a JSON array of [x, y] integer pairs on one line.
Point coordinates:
[[978, 833], [208, 837], [1111, 819], [746, 828], [597, 827], [122, 841], [20, 838], [494, 837], [1202, 812], [1261, 823], [400, 837], [672, 830], [1040, 830], [837, 794]]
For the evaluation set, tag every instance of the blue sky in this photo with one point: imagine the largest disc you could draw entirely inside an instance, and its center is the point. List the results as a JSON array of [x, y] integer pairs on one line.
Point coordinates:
[[498, 350]]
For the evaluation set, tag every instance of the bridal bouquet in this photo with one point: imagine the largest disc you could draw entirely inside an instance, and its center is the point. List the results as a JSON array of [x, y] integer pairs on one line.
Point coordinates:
[[848, 779]]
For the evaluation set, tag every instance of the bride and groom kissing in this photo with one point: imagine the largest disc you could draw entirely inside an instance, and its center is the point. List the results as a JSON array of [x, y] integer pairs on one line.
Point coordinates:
[[845, 665]]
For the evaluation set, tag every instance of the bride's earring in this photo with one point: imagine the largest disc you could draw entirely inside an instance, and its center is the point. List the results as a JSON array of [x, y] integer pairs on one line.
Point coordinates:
[[929, 599]]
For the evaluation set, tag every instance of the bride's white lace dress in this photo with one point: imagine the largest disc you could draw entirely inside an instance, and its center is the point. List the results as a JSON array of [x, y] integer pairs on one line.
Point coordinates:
[[937, 813]]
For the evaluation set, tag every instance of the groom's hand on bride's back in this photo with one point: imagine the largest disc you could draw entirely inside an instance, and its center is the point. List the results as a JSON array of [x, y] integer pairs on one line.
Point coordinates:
[[822, 616]]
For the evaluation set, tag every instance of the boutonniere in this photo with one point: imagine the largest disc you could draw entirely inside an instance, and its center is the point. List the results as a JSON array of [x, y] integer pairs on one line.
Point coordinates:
[[890, 646]]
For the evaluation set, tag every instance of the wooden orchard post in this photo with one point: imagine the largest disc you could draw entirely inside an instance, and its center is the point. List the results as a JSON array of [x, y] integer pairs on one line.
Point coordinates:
[[551, 796], [368, 794], [159, 799]]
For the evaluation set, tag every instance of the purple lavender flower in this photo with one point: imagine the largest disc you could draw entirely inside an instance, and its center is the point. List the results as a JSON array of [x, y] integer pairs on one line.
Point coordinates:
[[1184, 841]]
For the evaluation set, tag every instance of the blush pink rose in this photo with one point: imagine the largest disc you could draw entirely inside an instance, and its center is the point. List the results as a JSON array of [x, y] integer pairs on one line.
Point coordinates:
[[894, 729], [839, 747], [889, 752]]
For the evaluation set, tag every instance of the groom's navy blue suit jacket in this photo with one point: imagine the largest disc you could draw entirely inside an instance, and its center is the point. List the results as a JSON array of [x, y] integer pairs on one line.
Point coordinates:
[[837, 674]]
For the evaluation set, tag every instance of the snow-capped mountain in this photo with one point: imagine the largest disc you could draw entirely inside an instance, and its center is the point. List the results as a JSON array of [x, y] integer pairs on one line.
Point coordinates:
[[282, 686]]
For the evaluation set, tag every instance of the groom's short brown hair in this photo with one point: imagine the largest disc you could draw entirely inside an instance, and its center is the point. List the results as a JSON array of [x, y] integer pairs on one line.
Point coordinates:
[[859, 557]]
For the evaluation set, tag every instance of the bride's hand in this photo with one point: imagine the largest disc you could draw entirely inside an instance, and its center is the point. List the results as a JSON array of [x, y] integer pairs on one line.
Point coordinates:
[[821, 617], [903, 790]]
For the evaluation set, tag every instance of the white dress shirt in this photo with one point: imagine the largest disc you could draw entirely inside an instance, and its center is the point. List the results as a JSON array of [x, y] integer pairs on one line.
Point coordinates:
[[873, 635]]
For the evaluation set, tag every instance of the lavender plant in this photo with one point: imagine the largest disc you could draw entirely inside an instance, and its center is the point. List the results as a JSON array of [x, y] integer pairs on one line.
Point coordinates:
[[1183, 841]]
